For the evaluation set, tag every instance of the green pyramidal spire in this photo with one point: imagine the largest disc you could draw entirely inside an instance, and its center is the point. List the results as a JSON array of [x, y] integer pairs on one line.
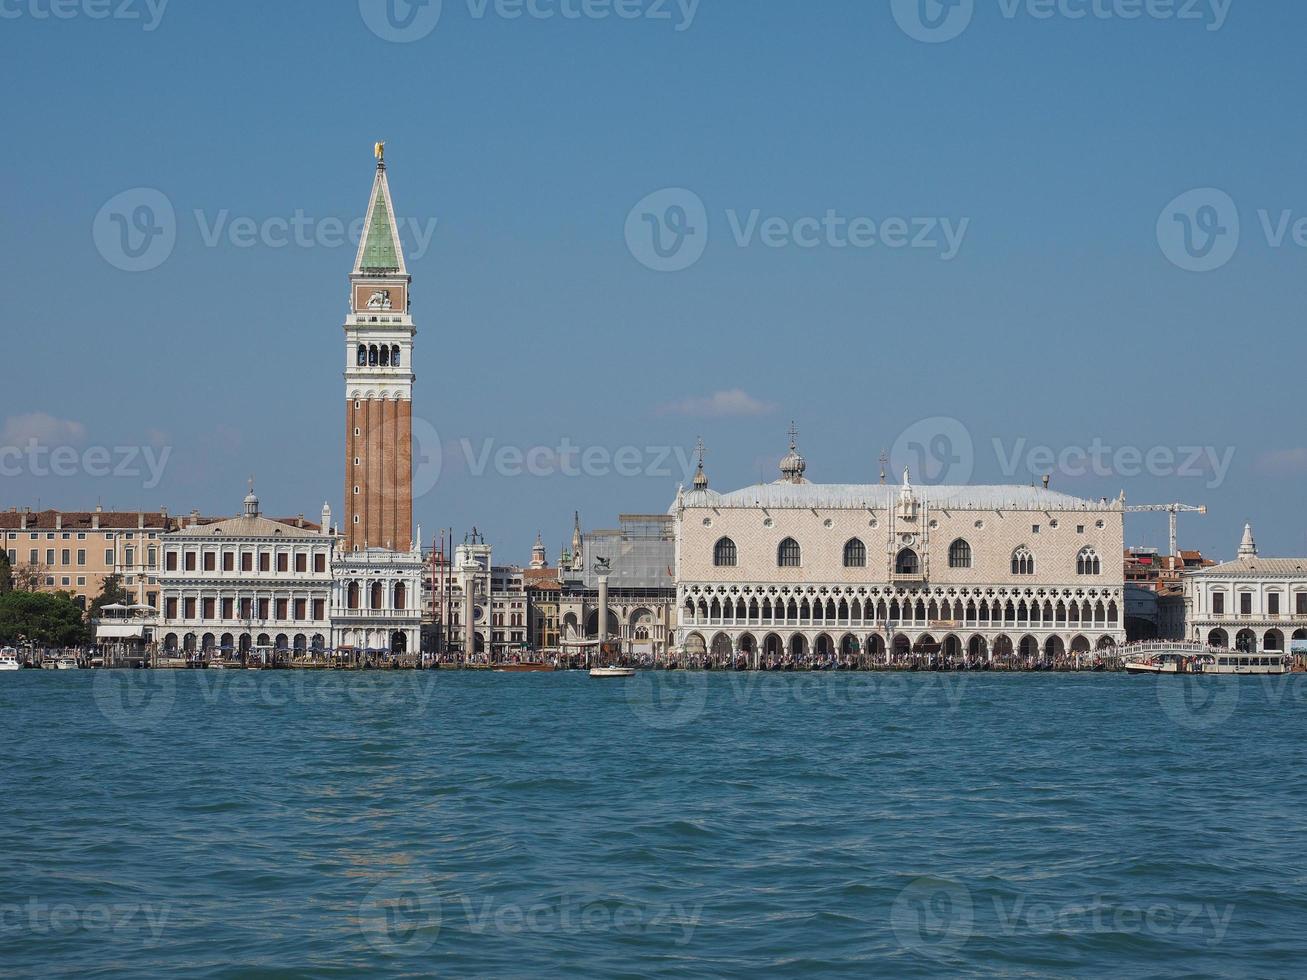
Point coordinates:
[[380, 250]]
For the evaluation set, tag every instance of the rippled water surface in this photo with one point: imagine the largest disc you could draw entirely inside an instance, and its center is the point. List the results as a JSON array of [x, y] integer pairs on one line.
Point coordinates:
[[259, 824]]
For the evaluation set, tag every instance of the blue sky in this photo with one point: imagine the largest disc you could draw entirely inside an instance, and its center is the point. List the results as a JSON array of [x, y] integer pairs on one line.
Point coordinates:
[[1063, 322]]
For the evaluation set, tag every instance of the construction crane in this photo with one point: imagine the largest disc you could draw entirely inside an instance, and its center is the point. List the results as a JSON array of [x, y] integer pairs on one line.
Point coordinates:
[[1174, 510]]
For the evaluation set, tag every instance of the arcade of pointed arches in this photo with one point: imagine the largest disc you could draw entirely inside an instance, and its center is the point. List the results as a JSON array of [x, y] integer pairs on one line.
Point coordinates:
[[770, 646], [813, 606]]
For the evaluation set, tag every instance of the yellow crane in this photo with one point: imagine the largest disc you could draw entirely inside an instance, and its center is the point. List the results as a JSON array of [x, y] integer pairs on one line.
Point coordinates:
[[1174, 510]]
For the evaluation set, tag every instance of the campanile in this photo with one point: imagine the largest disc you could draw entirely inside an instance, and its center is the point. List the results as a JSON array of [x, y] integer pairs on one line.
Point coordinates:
[[379, 380]]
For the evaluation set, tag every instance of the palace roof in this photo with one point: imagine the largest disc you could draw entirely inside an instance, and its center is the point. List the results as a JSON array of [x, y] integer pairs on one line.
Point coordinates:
[[847, 496], [1255, 567]]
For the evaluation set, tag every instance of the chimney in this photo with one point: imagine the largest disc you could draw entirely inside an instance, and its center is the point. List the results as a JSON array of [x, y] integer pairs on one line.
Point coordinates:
[[1047, 477], [95, 519], [58, 520], [140, 521]]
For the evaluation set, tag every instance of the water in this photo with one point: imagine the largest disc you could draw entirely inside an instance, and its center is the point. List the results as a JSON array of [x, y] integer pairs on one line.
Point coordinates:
[[259, 824]]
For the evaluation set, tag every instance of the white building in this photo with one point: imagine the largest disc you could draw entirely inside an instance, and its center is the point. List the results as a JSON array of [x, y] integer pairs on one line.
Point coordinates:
[[986, 572], [246, 585], [376, 601], [1251, 603]]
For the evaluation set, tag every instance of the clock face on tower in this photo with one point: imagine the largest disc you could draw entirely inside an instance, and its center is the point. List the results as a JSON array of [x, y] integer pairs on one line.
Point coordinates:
[[378, 298]]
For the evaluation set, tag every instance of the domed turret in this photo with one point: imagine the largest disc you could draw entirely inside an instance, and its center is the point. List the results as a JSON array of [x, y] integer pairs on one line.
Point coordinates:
[[251, 502], [793, 465], [700, 477]]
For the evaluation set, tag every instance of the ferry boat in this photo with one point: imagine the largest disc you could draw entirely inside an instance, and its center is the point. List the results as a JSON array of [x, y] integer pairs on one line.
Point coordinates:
[[1183, 657], [9, 659]]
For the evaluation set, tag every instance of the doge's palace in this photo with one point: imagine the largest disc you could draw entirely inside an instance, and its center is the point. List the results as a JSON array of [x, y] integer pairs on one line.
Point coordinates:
[[800, 570]]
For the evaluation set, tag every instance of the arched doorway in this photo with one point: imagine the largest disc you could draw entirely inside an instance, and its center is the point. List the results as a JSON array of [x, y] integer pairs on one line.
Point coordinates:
[[798, 647], [1079, 645], [399, 642], [1246, 641], [695, 645], [902, 647], [1054, 648], [952, 649], [1029, 649], [1219, 639], [825, 647], [849, 646], [1003, 650], [721, 649], [977, 649], [1273, 641]]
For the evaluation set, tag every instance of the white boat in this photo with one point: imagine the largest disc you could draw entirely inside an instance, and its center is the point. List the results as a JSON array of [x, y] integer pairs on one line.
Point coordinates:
[[9, 659], [1182, 657], [66, 663], [1238, 662], [612, 671]]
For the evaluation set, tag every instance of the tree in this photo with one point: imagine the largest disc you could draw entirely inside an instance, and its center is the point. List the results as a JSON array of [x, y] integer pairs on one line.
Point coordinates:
[[30, 577], [44, 618], [111, 593], [6, 573]]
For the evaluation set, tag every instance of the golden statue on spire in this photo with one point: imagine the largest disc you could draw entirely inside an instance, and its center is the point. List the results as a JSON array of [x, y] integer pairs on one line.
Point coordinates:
[[379, 151]]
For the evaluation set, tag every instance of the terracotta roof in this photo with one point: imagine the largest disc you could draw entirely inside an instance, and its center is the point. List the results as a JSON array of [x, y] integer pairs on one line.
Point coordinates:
[[82, 520]]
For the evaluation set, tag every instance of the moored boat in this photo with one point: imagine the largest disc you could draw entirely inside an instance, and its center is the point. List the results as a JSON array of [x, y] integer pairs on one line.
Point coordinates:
[[9, 659]]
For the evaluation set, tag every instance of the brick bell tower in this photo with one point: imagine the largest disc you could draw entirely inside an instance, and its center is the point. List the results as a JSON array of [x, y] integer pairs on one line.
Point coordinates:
[[379, 380]]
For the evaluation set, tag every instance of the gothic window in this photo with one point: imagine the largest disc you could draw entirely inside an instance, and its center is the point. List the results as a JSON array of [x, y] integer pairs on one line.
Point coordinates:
[[724, 554], [788, 554], [959, 554], [1088, 563], [855, 554], [907, 563], [363, 355], [1023, 562]]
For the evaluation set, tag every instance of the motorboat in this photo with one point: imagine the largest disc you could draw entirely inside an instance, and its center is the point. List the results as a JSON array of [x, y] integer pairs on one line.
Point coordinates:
[[612, 672], [9, 659]]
